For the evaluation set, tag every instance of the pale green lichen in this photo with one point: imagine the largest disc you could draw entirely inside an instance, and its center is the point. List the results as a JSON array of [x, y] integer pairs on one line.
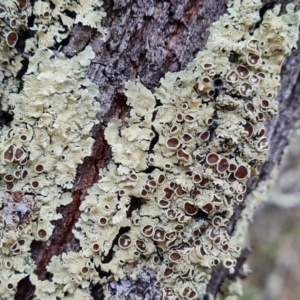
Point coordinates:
[[230, 288], [72, 274], [178, 168], [50, 132], [52, 119], [47, 139], [13, 19], [54, 20], [284, 188], [168, 202], [256, 198]]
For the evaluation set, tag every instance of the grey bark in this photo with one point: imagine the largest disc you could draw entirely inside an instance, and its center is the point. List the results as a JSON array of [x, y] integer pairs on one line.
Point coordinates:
[[146, 39]]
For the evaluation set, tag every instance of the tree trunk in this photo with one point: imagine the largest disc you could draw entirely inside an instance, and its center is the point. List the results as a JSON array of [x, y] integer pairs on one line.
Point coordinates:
[[146, 39]]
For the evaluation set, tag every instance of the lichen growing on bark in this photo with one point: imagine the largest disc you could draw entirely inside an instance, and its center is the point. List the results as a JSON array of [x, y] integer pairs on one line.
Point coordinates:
[[53, 111], [182, 159], [47, 139], [157, 219]]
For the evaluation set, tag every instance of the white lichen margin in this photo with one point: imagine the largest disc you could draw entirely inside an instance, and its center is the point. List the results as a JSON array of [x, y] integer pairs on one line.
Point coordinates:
[[181, 161]]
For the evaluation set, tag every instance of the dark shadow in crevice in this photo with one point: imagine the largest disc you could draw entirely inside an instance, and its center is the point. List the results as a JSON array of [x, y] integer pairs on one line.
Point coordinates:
[[5, 118], [135, 204], [214, 126], [154, 139], [234, 57], [110, 254], [262, 12], [97, 289], [150, 169], [25, 290], [265, 8], [200, 215], [97, 292]]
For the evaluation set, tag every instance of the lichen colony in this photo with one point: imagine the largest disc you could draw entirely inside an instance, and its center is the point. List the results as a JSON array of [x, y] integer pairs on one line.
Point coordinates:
[[180, 162]]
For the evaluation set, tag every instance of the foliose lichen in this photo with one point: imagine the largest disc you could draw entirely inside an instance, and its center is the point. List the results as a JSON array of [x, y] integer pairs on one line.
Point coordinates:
[[13, 19], [158, 215], [55, 18], [49, 23], [182, 159], [40, 151], [53, 109]]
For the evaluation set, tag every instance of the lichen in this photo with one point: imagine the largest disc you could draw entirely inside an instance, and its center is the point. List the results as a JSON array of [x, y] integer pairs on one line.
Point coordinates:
[[13, 19], [48, 138], [54, 20], [53, 109], [72, 274], [182, 159], [229, 289], [52, 23], [157, 219]]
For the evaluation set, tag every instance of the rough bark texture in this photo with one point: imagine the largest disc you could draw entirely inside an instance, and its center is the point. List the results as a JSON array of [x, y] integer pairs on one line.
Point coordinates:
[[146, 39]]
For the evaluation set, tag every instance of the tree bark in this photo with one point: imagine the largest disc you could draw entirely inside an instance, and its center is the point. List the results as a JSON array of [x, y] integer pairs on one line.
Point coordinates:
[[147, 39]]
